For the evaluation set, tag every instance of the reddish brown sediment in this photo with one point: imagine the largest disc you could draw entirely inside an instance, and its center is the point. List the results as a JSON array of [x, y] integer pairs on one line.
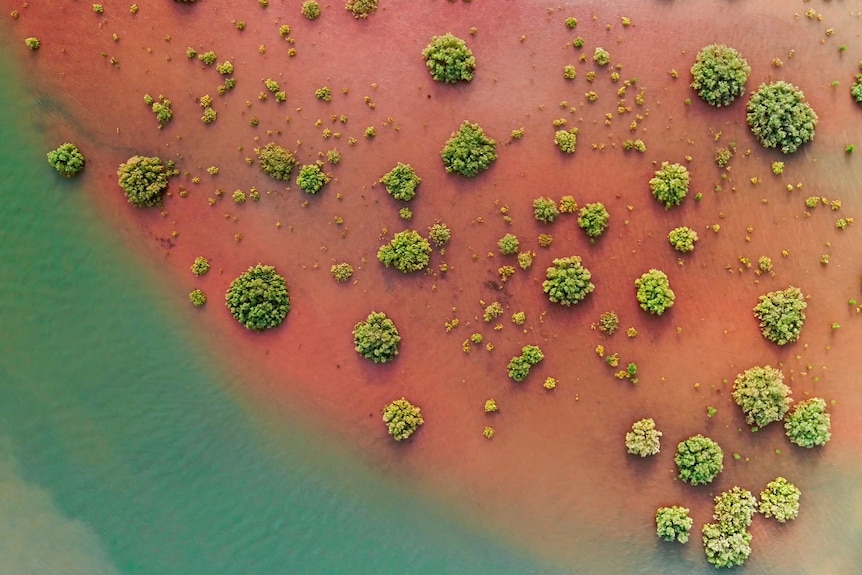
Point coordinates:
[[557, 459]]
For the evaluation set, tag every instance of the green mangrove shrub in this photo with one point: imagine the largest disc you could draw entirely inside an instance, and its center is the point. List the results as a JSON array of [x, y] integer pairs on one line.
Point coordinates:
[[376, 338], [258, 298], [402, 418], [762, 395], [312, 178], [161, 108], [719, 74], [653, 292], [725, 549], [781, 314], [407, 252], [673, 523], [519, 366], [341, 272], [197, 297], [200, 266], [401, 182], [856, 89], [449, 60], [699, 460], [670, 184], [808, 425], [32, 43], [601, 57], [276, 161], [545, 210], [508, 244], [440, 234], [734, 509], [310, 9], [644, 439], [608, 323], [144, 180], [780, 500], [361, 8], [593, 219], [568, 281], [780, 117], [468, 151], [67, 159], [566, 140], [682, 239]]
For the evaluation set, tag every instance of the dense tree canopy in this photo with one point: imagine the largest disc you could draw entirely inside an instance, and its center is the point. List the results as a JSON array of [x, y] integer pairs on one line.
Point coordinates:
[[654, 293], [67, 159], [780, 117], [376, 338], [593, 218], [468, 151], [258, 298], [449, 59], [808, 425], [568, 281], [407, 252], [781, 314], [276, 161], [402, 418], [673, 523], [734, 509], [644, 439], [762, 395], [682, 239], [699, 459], [725, 549], [719, 74], [780, 500], [670, 184], [144, 180], [401, 182]]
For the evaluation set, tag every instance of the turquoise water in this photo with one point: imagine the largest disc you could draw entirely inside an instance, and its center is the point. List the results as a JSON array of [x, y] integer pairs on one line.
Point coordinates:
[[121, 448]]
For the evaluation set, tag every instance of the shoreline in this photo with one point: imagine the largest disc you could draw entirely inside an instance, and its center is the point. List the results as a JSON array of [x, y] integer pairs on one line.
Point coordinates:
[[455, 459]]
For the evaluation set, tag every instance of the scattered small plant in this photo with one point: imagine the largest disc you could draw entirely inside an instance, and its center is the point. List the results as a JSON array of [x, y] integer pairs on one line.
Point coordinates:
[[197, 297], [310, 9], [601, 57], [32, 43], [608, 323], [440, 234], [342, 272], [161, 108], [491, 406]]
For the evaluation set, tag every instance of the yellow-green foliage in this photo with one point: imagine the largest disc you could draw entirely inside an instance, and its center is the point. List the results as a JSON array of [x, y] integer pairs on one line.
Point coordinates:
[[673, 523], [654, 293], [644, 439], [780, 117], [781, 314], [276, 161], [593, 219], [67, 159], [312, 178], [566, 140], [401, 182], [407, 252], [780, 500], [144, 180], [719, 74], [341, 272], [762, 394], [468, 151], [376, 338], [808, 425], [699, 460], [200, 266], [682, 239], [402, 418], [670, 184], [361, 8], [449, 59], [568, 281]]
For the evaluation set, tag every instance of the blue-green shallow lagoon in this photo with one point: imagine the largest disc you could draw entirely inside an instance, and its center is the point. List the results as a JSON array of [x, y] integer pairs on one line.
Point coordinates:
[[122, 449]]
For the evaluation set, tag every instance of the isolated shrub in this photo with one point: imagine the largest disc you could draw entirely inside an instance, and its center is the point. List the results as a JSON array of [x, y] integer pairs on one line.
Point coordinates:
[[779, 116], [449, 59], [197, 297], [654, 293], [725, 549], [402, 418], [32, 43], [780, 500], [67, 159], [644, 439], [593, 219], [568, 281], [699, 459], [519, 366], [856, 89], [276, 161], [734, 509], [312, 178], [401, 182], [682, 239], [719, 74], [144, 180], [508, 244], [762, 395], [673, 523], [341, 272], [258, 298], [161, 108], [781, 314], [407, 252], [545, 209], [440, 234], [608, 323], [376, 338], [808, 425], [200, 266], [361, 8], [310, 9], [670, 184], [566, 140], [468, 151], [601, 57]]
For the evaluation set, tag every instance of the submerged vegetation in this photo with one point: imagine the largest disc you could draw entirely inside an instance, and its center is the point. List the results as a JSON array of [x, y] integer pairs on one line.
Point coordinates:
[[258, 298]]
